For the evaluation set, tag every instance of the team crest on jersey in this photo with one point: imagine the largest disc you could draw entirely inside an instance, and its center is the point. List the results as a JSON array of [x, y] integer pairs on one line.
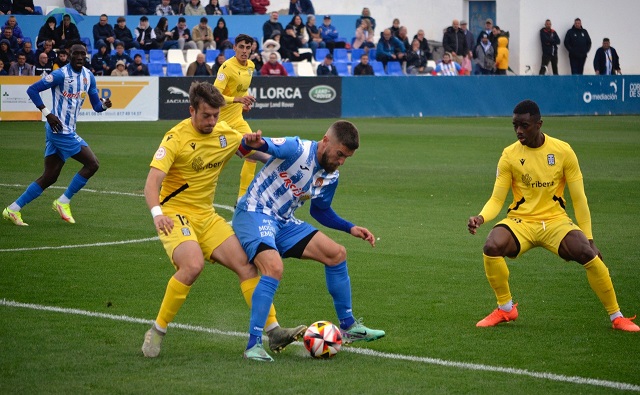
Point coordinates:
[[221, 76], [48, 78], [84, 81], [318, 182], [186, 232], [278, 140], [551, 159], [223, 141], [160, 153]]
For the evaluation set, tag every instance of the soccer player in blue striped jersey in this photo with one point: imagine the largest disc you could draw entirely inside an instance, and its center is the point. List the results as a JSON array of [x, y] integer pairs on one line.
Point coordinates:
[[69, 86], [264, 222]]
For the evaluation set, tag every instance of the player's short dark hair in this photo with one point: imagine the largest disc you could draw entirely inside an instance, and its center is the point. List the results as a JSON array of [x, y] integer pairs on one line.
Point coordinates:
[[244, 37], [346, 133], [205, 92], [527, 107]]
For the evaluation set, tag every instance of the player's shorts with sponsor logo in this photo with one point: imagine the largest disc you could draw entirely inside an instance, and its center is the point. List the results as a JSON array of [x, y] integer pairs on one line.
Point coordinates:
[[63, 145], [546, 234], [208, 229]]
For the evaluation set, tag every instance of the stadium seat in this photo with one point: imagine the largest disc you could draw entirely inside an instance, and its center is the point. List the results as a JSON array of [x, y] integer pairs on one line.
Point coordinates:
[[229, 53], [191, 55], [289, 67], [175, 56], [372, 54], [174, 70], [87, 42], [133, 52], [304, 69], [356, 54], [394, 68], [343, 69], [155, 69], [225, 10], [340, 55], [211, 55], [321, 53], [378, 68], [37, 10], [156, 56]]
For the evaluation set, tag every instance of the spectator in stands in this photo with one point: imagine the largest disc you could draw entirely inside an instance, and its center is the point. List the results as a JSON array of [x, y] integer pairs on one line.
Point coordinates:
[[199, 67], [447, 66], [120, 70], [549, 40], [203, 35], [469, 38], [100, 61], [140, 7], [395, 27], [78, 5], [606, 61], [578, 43], [502, 56], [297, 7], [260, 6], [488, 29], [62, 59], [27, 50], [364, 36], [363, 68], [5, 9], [424, 44], [124, 35], [21, 67], [464, 62], [256, 57], [273, 68], [7, 34], [118, 56], [12, 23], [315, 38], [289, 44], [453, 40], [403, 36], [43, 66], [221, 35], [327, 67], [366, 14], [67, 31], [194, 7], [493, 38], [417, 60], [47, 48], [164, 37], [240, 7], [390, 49], [220, 59], [182, 34], [3, 72], [301, 30], [103, 32], [145, 36], [271, 25], [178, 7], [330, 34], [164, 8], [137, 68], [23, 7], [6, 54], [272, 44], [213, 8], [484, 56], [47, 33]]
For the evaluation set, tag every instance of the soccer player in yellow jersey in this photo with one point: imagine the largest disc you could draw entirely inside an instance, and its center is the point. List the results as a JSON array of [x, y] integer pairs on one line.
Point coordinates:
[[537, 168], [233, 80], [185, 170]]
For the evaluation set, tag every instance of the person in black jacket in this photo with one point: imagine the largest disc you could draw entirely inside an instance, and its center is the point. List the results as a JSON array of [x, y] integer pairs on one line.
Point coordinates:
[[606, 61], [289, 44], [100, 62], [454, 41], [327, 67], [124, 34], [103, 32], [550, 41], [67, 31], [578, 43], [363, 68]]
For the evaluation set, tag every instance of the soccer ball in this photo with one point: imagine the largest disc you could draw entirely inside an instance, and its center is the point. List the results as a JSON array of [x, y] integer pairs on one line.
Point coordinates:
[[322, 339]]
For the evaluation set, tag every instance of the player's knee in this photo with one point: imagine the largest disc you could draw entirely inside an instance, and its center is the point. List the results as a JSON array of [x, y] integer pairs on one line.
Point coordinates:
[[193, 269], [491, 248], [337, 255], [93, 166]]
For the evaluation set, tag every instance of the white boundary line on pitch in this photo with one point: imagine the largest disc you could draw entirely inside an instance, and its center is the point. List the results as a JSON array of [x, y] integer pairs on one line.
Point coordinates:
[[362, 351]]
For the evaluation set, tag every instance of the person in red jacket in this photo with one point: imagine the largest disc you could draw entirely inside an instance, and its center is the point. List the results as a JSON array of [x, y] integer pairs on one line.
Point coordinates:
[[260, 6], [273, 68]]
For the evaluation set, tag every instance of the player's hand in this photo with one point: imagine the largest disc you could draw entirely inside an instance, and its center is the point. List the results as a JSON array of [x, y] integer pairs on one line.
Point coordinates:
[[247, 100], [254, 140], [163, 224], [55, 123], [364, 234], [107, 103], [474, 223]]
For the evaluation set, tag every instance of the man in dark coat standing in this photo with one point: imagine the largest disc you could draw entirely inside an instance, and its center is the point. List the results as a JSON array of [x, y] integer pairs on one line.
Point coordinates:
[[606, 61], [550, 41], [578, 43]]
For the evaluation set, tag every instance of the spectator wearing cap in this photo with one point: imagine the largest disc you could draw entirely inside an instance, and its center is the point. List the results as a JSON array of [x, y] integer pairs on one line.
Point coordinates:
[[470, 40], [289, 44], [484, 56], [240, 7], [124, 35], [297, 7], [203, 35], [550, 41], [271, 25], [103, 32], [194, 7], [273, 68], [120, 70], [330, 34], [182, 35], [137, 68], [488, 29], [145, 36], [119, 55], [453, 40], [327, 67]]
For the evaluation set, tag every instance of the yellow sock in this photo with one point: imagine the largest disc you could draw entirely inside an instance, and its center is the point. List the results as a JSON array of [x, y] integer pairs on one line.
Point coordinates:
[[495, 267], [174, 297], [246, 176], [247, 287], [600, 281]]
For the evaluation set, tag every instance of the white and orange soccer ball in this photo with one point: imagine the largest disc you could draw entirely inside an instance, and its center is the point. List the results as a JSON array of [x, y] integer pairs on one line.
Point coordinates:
[[322, 339]]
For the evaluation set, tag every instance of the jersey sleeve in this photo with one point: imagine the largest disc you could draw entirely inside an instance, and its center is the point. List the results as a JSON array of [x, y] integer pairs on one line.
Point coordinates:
[[282, 147], [571, 167], [166, 153], [96, 103], [49, 81], [500, 190], [581, 207], [221, 83]]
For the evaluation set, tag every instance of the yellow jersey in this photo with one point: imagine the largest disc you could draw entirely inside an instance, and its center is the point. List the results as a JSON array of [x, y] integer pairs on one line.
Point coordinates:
[[233, 80], [192, 162], [537, 178]]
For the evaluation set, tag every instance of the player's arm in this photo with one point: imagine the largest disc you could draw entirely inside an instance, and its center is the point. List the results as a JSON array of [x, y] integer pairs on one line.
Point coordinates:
[[221, 83], [279, 147], [48, 82], [97, 104], [493, 206], [163, 223]]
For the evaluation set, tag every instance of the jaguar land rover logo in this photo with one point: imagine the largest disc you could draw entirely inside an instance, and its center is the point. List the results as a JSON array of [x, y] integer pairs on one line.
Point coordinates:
[[178, 96], [322, 94]]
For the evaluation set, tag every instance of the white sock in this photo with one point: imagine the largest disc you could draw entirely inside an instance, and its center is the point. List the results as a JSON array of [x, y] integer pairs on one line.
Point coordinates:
[[13, 206], [615, 315], [272, 326], [63, 199], [507, 306], [161, 330]]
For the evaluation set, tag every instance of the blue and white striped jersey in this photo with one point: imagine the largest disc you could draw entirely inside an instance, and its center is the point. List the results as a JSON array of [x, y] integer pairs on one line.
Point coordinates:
[[291, 177]]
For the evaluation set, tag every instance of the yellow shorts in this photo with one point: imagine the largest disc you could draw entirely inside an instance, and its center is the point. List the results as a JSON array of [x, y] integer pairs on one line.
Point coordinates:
[[208, 229], [546, 234]]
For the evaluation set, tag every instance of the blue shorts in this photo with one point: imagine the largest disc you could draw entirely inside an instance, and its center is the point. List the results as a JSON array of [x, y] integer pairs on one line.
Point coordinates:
[[63, 145], [252, 229]]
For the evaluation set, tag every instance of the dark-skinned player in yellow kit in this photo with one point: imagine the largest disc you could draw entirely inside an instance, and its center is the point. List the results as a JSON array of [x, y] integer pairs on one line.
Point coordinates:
[[536, 168]]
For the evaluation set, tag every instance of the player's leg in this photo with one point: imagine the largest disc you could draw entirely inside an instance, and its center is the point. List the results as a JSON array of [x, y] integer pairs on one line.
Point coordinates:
[[501, 242], [249, 165], [52, 167], [576, 247], [90, 166]]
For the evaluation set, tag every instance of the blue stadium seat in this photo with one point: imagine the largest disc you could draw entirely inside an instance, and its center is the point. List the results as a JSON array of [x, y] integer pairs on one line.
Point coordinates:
[[133, 52], [343, 69], [37, 10], [372, 54], [356, 54], [229, 53], [394, 68], [225, 10], [174, 70], [321, 53], [157, 56], [211, 55], [155, 69], [289, 67], [87, 42], [378, 68], [340, 55]]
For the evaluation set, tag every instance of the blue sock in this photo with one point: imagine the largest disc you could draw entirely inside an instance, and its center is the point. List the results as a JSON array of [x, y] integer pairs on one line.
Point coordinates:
[[77, 183], [339, 286], [260, 305], [32, 192]]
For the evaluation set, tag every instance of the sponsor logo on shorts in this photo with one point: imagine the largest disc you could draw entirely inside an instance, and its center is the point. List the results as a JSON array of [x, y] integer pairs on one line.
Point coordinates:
[[186, 232]]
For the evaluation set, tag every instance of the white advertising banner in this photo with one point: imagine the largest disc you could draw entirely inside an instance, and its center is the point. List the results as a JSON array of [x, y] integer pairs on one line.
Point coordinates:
[[133, 98]]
